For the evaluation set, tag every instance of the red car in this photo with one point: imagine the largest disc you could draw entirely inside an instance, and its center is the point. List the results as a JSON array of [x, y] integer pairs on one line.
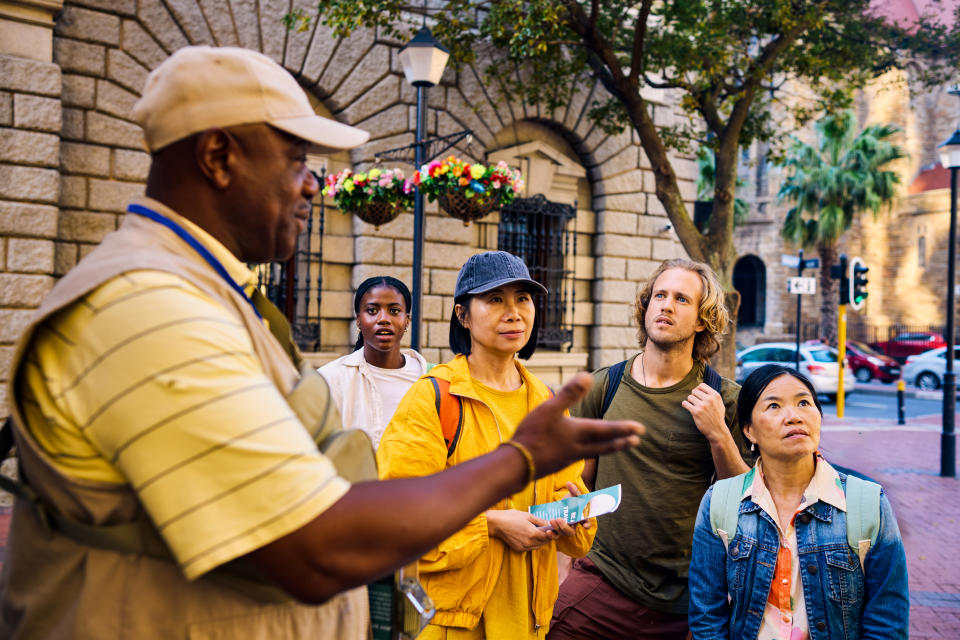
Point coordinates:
[[868, 363], [910, 343]]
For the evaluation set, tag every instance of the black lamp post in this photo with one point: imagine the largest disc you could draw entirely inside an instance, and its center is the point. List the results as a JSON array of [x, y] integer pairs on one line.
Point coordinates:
[[423, 60], [950, 158]]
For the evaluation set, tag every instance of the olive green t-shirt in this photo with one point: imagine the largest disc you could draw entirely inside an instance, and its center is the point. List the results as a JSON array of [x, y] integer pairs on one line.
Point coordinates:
[[643, 548]]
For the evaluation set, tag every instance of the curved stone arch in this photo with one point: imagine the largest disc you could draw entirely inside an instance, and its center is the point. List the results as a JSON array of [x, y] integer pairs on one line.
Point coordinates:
[[750, 280], [545, 154], [148, 35]]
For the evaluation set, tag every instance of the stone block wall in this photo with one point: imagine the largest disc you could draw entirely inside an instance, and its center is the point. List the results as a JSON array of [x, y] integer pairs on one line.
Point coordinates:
[[73, 158], [31, 119]]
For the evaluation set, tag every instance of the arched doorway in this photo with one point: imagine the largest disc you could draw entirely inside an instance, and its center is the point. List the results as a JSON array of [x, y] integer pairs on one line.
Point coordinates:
[[750, 279]]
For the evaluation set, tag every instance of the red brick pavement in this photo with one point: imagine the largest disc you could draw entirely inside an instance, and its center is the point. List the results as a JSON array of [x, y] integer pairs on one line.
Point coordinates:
[[906, 461]]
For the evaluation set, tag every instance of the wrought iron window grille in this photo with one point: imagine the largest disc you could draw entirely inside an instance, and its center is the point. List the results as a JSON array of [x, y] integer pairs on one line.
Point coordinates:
[[536, 230]]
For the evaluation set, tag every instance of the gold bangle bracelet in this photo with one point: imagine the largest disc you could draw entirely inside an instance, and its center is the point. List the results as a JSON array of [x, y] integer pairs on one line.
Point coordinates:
[[531, 468]]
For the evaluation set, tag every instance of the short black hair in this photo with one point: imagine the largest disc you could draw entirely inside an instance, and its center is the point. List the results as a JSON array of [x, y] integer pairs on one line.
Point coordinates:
[[758, 380], [372, 283], [460, 342]]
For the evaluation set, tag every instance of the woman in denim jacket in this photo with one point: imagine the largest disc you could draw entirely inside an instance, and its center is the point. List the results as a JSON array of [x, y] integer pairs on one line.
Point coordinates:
[[788, 572]]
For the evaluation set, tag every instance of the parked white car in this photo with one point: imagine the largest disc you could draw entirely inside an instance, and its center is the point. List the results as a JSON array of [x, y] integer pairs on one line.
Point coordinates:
[[926, 369], [818, 362]]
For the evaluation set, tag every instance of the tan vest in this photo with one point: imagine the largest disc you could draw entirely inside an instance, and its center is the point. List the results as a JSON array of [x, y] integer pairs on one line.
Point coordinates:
[[54, 587]]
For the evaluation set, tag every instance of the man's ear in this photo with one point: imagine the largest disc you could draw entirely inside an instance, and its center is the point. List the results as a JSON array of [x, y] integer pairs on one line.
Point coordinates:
[[215, 153]]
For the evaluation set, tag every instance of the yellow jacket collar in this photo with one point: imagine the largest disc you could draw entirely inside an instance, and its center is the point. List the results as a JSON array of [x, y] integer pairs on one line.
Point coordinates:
[[457, 373]]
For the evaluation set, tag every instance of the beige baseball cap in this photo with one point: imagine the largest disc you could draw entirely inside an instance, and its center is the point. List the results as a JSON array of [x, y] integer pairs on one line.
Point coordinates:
[[197, 88]]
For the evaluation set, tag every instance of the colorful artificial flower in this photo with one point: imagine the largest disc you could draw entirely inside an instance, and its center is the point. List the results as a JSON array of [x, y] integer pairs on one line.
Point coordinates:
[[352, 192], [475, 181]]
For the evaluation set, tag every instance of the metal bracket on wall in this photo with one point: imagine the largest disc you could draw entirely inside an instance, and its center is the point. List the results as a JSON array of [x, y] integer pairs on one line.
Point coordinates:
[[432, 148]]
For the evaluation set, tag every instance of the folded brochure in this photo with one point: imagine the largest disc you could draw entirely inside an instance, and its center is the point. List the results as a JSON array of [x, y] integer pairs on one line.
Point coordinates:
[[579, 508]]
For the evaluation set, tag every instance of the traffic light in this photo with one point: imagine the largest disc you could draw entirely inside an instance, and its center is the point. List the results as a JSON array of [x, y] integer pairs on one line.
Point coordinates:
[[839, 272], [858, 283]]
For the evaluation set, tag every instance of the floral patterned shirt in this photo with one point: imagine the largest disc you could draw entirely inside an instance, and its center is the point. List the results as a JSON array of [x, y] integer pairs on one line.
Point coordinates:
[[785, 614]]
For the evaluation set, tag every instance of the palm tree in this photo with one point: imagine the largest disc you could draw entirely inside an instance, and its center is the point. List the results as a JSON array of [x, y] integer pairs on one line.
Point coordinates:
[[830, 185]]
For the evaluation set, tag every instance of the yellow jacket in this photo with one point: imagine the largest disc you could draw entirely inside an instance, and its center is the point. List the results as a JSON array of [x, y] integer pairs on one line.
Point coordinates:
[[460, 574]]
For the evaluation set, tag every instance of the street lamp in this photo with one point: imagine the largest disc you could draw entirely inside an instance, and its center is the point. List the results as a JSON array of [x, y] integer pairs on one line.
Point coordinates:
[[950, 158], [423, 60]]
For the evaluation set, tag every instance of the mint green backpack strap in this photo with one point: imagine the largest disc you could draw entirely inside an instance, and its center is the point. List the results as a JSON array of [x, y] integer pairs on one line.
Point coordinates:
[[725, 505], [863, 515]]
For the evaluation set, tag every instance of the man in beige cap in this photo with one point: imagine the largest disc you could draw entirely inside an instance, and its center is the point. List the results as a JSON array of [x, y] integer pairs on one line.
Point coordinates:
[[172, 484]]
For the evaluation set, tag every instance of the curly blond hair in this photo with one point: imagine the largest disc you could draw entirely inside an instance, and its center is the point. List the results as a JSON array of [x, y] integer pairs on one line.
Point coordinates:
[[713, 311]]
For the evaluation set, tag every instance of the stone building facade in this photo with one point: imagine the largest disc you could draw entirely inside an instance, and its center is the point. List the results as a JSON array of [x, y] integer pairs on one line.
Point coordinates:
[[70, 72], [905, 246]]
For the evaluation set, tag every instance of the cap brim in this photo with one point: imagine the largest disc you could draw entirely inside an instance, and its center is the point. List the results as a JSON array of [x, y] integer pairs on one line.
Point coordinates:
[[536, 286], [323, 134]]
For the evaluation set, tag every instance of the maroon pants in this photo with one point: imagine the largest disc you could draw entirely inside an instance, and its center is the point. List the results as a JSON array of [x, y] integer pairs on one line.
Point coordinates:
[[590, 607]]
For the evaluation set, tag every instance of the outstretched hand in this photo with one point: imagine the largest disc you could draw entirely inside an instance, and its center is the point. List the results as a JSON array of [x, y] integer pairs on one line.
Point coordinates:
[[556, 440]]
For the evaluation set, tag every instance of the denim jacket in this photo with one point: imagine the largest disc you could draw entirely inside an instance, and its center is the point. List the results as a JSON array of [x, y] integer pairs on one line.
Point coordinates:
[[843, 601]]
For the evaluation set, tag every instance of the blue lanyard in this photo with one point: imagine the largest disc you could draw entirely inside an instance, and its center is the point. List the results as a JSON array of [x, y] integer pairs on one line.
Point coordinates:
[[194, 244]]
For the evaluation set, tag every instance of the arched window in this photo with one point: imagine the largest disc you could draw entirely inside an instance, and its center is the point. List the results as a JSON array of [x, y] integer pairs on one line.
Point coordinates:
[[750, 279]]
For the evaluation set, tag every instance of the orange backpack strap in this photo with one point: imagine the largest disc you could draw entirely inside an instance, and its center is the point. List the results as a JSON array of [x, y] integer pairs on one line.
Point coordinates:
[[450, 412]]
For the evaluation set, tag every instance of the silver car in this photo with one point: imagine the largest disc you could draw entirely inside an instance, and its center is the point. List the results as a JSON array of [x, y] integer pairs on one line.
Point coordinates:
[[926, 369], [818, 362]]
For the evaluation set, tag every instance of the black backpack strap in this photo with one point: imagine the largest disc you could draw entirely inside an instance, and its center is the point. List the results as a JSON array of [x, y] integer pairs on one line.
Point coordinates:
[[6, 438], [711, 377], [614, 375], [6, 446]]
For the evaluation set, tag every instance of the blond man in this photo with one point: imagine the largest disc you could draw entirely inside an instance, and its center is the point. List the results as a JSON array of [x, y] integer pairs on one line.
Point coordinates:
[[633, 583]]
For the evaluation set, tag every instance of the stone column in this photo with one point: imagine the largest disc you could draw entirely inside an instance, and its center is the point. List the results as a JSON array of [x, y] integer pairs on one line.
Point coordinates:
[[30, 123]]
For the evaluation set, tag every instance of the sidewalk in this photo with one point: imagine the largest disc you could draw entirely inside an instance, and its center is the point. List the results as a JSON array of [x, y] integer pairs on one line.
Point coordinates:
[[906, 461]]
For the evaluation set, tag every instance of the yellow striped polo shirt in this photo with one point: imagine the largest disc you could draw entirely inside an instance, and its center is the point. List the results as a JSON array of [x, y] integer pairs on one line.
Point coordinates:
[[150, 382]]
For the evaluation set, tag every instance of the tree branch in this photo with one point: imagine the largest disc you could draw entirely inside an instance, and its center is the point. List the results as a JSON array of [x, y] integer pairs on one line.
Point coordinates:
[[639, 37], [668, 84], [594, 12], [603, 61]]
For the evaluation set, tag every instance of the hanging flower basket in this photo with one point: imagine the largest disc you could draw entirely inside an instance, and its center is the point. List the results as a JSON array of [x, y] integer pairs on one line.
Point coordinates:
[[458, 206], [376, 197], [467, 191], [379, 213]]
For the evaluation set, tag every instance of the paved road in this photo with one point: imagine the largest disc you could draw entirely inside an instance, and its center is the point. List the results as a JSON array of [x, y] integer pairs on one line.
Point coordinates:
[[879, 401], [906, 461], [864, 405]]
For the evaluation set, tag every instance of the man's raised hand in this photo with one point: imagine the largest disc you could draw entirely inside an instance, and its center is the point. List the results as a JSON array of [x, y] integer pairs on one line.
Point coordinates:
[[556, 440]]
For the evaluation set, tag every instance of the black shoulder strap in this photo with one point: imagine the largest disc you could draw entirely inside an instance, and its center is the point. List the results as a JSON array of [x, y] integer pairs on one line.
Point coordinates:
[[711, 377], [614, 375], [6, 438]]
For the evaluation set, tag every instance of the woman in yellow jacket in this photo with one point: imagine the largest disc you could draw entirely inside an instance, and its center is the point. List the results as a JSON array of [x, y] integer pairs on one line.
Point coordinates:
[[497, 577]]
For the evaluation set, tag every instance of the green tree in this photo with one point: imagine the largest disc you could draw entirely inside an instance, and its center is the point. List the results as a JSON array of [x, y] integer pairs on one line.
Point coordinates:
[[724, 60], [830, 185], [707, 181]]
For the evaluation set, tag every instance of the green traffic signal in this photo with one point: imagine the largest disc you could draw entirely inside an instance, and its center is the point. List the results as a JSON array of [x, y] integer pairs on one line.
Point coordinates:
[[858, 282]]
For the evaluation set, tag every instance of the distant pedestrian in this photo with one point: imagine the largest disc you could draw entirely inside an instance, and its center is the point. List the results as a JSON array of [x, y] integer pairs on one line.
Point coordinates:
[[793, 549], [367, 385]]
